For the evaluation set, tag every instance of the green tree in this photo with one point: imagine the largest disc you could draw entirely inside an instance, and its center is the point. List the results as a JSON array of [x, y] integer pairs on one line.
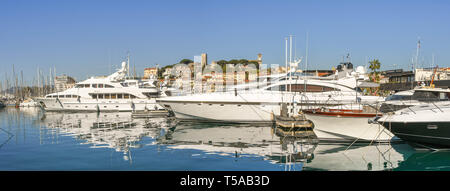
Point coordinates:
[[374, 74], [233, 61], [243, 62], [186, 61]]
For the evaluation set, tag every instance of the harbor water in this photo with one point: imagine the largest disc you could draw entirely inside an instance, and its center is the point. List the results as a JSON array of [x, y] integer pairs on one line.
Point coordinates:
[[31, 139]]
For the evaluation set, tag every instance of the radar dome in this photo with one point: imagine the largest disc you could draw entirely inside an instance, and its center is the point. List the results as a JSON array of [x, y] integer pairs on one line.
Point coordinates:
[[360, 69]]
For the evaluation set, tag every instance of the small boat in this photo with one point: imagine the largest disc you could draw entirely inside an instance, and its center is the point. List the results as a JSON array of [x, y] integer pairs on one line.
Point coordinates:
[[348, 123], [2, 105], [150, 113], [28, 103], [423, 126]]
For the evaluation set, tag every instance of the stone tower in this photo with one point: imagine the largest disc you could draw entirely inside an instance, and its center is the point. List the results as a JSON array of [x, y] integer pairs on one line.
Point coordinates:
[[204, 59]]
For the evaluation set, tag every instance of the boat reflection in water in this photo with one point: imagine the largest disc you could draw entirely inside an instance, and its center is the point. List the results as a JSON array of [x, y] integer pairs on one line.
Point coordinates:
[[115, 130], [296, 150], [243, 141], [286, 149], [426, 161], [358, 157]]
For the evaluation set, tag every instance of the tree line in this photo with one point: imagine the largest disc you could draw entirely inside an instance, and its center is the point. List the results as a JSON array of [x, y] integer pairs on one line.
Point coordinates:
[[221, 63]]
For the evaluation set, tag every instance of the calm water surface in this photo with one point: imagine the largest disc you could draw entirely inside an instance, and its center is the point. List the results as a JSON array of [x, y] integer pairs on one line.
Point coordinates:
[[31, 139]]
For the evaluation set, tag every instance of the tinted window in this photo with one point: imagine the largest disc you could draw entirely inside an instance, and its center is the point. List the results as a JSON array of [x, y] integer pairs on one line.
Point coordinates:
[[426, 96], [302, 88], [398, 97]]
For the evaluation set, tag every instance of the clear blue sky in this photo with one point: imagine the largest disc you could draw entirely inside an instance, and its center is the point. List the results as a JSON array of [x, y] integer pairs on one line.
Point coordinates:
[[82, 38]]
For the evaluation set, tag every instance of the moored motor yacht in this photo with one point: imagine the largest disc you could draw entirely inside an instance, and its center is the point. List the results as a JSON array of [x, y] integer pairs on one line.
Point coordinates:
[[28, 103], [426, 125], [417, 96], [115, 92], [259, 105]]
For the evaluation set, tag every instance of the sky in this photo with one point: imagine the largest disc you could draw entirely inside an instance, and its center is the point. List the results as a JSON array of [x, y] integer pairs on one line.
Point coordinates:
[[83, 38]]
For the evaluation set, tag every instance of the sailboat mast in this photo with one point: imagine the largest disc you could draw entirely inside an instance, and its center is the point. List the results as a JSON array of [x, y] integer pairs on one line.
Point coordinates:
[[417, 55], [22, 85], [290, 62], [128, 64], [37, 85], [306, 60], [417, 61], [286, 88]]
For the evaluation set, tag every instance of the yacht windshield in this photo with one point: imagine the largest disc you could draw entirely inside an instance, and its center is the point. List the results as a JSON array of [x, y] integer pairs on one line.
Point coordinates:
[[398, 97]]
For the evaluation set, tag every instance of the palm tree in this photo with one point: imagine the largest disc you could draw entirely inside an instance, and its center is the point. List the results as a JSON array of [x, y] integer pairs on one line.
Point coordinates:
[[374, 75], [374, 66]]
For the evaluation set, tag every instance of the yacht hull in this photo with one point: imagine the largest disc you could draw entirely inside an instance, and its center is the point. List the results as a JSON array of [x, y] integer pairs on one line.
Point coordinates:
[[222, 112], [72, 104], [348, 129], [422, 134]]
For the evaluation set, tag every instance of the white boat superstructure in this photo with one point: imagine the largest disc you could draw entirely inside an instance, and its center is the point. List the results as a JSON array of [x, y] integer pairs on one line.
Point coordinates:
[[111, 93], [415, 97]]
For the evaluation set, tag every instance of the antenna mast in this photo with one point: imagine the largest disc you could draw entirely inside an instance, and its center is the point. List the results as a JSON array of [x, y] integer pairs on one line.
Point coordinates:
[[128, 63], [286, 62], [290, 62], [416, 63], [306, 62]]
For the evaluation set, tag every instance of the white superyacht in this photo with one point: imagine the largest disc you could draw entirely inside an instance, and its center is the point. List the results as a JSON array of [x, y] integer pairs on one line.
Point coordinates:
[[112, 93], [258, 104]]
